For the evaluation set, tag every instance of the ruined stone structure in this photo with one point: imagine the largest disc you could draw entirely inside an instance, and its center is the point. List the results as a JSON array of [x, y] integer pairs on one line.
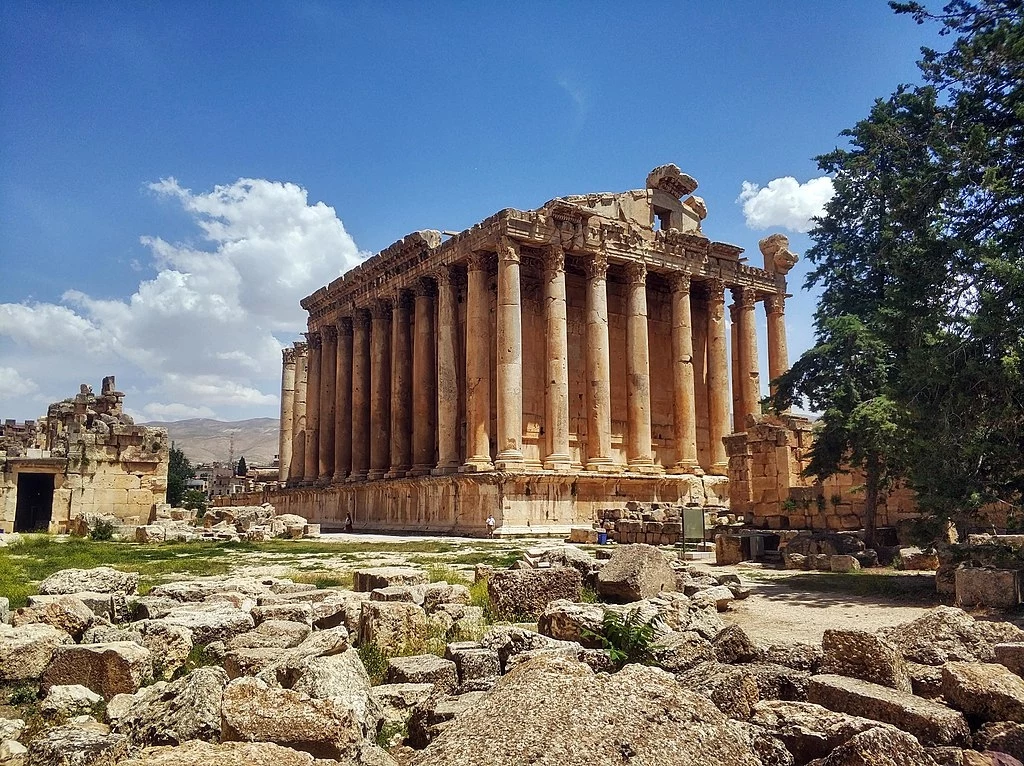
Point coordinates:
[[85, 458], [541, 365], [766, 482]]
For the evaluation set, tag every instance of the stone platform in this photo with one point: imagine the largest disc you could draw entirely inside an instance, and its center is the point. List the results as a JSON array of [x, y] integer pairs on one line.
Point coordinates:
[[522, 503]]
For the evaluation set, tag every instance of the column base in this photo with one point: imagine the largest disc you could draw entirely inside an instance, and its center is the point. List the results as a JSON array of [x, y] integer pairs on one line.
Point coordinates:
[[445, 470], [397, 473], [719, 469], [558, 462], [645, 466], [356, 476], [509, 460], [339, 478], [690, 468], [376, 473], [476, 465], [420, 470], [604, 465]]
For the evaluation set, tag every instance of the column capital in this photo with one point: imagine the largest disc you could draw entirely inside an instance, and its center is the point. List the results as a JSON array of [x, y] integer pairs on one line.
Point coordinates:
[[744, 297], [288, 355], [345, 327], [381, 309], [508, 250], [775, 304], [361, 319], [478, 260], [443, 276], [300, 347], [425, 288], [554, 258], [404, 300], [330, 333], [716, 289], [734, 310], [636, 272], [313, 339], [596, 266], [680, 282]]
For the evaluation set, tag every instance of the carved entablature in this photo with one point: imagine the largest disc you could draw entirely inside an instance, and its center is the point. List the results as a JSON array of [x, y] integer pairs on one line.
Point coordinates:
[[669, 178]]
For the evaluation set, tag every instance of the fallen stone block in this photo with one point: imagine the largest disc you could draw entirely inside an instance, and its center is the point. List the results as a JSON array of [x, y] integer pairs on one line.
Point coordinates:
[[809, 731], [176, 712], [523, 594], [423, 669], [366, 580], [97, 580], [85, 744], [863, 655], [844, 563], [69, 701], [392, 626], [478, 668], [984, 691], [197, 753], [635, 572], [26, 651], [119, 667], [65, 613], [931, 722], [982, 586], [1011, 655]]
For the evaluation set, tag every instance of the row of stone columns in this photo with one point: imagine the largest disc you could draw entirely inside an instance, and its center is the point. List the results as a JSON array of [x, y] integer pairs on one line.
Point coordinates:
[[377, 396]]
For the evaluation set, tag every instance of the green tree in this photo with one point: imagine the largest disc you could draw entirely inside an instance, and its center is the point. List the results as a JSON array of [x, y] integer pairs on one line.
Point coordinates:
[[179, 471], [195, 500], [241, 469]]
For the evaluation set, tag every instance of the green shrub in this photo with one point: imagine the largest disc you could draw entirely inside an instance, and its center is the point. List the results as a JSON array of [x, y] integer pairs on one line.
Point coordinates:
[[628, 639], [104, 530], [375, 661], [588, 595]]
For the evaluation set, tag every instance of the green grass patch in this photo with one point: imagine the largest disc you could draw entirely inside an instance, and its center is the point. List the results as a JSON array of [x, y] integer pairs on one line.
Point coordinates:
[[448, 574], [324, 579], [499, 559]]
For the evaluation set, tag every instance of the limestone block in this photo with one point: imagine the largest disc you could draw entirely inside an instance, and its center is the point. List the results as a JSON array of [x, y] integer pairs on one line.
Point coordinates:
[[809, 731], [635, 572], [211, 622], [96, 580], [728, 549], [391, 625], [844, 563], [916, 559], [477, 667], [366, 580], [69, 701], [565, 620], [118, 667], [65, 613], [78, 743], [272, 634], [931, 722], [1011, 655], [863, 655], [26, 651], [982, 586], [524, 593], [397, 701], [985, 691], [424, 668]]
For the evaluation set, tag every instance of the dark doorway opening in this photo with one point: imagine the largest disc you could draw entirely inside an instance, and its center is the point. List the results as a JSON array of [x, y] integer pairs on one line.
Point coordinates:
[[35, 502]]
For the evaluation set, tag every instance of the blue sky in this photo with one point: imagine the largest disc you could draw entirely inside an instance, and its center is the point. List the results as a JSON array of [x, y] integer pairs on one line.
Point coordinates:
[[128, 244]]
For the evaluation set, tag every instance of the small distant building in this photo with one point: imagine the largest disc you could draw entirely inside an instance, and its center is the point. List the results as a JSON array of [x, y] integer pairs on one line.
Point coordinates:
[[87, 457]]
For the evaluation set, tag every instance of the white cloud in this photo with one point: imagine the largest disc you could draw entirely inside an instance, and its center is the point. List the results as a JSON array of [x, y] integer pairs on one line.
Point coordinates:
[[13, 384], [785, 203], [156, 411], [208, 328]]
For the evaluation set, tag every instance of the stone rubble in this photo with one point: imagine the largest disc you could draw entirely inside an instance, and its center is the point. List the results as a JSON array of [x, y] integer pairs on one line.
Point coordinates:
[[280, 678]]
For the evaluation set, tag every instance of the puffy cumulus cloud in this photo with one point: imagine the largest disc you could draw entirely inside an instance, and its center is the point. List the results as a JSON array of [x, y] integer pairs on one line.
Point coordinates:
[[785, 203], [204, 335], [159, 412], [13, 384]]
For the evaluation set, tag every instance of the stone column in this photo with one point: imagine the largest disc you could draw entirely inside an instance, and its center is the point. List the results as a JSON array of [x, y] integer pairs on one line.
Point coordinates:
[[638, 369], [778, 355], [749, 367], [298, 463], [447, 375], [424, 375], [556, 415], [718, 377], [684, 407], [737, 376], [401, 386], [509, 358], [599, 392], [343, 402], [380, 390], [284, 448], [360, 395], [311, 465], [478, 366], [328, 396]]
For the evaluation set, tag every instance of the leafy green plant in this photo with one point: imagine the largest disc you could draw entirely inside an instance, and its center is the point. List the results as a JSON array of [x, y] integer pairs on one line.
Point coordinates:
[[194, 500], [103, 530], [627, 638], [588, 595], [375, 661], [789, 505]]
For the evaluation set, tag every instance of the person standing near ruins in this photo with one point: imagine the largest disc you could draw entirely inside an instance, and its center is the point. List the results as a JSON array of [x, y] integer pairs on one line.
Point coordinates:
[[490, 525]]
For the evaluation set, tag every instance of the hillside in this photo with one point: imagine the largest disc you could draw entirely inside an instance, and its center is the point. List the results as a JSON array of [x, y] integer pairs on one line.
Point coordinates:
[[204, 441]]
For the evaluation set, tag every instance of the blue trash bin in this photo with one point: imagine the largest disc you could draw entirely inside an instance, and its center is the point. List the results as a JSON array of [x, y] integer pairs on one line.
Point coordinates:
[[602, 538]]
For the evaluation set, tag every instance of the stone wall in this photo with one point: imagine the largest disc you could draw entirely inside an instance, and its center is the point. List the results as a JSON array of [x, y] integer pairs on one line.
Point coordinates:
[[540, 503], [102, 463], [766, 482]]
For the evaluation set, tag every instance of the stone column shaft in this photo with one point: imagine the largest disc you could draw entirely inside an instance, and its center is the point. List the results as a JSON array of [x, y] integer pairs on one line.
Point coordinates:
[[737, 375], [298, 463], [447, 375], [684, 407], [599, 392], [749, 367], [311, 465], [556, 416], [424, 366], [380, 391], [478, 366], [401, 386], [343, 402], [360, 395], [638, 369], [509, 357], [778, 355], [284, 449], [328, 397], [718, 377]]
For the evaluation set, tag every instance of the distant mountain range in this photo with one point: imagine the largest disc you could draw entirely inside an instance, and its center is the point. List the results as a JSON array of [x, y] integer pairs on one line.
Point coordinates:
[[207, 441]]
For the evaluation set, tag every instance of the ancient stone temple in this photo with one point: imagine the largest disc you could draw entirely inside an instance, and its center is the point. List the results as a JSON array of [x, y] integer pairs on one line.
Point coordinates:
[[85, 458], [541, 366]]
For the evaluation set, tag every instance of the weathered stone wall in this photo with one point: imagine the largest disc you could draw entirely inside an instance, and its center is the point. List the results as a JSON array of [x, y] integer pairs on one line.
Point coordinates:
[[766, 482], [521, 503], [102, 463]]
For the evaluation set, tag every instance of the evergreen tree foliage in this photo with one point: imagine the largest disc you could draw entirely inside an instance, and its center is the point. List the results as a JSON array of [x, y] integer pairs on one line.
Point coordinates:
[[918, 366], [179, 470], [241, 469]]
